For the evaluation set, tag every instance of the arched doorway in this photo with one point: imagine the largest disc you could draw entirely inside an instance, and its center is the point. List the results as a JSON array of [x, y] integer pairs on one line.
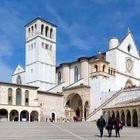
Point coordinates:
[[128, 118], [117, 115], [86, 110], [123, 117], [74, 106], [3, 115], [24, 116], [34, 116], [113, 115], [135, 118], [14, 115], [53, 117], [128, 83]]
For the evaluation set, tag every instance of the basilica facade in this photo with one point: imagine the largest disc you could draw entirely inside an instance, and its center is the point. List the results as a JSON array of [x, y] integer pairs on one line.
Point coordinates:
[[107, 83]]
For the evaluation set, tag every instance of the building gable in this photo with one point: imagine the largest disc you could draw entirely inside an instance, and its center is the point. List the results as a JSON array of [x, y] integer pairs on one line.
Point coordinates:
[[18, 70], [128, 45]]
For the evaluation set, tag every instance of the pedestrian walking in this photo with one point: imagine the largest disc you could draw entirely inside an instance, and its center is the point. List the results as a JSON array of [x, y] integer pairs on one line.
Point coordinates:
[[101, 124], [118, 125], [109, 126]]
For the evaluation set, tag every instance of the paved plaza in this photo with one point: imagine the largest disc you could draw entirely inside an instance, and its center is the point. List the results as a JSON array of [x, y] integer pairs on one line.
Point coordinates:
[[59, 131]]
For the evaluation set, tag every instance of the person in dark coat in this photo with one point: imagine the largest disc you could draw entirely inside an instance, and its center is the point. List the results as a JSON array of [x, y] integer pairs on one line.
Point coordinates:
[[101, 124], [118, 126], [109, 126]]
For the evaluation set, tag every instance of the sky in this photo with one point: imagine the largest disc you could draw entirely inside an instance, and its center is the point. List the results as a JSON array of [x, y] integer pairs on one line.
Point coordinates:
[[84, 27]]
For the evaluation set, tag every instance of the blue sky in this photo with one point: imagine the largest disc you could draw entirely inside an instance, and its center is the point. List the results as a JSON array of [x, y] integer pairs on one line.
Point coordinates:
[[84, 27]]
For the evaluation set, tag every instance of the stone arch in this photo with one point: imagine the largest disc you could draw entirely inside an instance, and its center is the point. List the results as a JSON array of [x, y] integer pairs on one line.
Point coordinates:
[[135, 118], [123, 117], [104, 67], [18, 96], [128, 83], [14, 115], [10, 96], [53, 116], [86, 110], [24, 116], [117, 115], [75, 106], [3, 115], [113, 114], [96, 68], [34, 116], [128, 118]]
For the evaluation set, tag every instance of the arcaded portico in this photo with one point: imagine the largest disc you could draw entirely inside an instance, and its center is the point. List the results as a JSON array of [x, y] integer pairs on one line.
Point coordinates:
[[128, 113], [77, 102], [18, 103]]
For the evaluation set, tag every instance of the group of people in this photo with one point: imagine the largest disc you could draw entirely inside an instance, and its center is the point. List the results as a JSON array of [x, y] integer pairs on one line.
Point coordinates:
[[113, 123]]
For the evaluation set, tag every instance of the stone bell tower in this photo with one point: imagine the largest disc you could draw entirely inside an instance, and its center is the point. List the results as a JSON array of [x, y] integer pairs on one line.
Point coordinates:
[[40, 53]]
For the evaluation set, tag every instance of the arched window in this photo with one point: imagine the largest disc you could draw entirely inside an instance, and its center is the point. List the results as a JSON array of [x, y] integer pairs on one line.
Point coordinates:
[[96, 68], [9, 96], [75, 73], [51, 32], [19, 81], [59, 77], [42, 29], [26, 98], [46, 31], [18, 96]]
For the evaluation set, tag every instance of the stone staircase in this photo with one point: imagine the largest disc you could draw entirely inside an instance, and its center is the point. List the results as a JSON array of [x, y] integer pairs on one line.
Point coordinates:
[[104, 104]]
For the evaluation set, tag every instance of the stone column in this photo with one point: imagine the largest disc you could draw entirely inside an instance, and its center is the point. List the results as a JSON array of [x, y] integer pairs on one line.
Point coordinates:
[[8, 117], [131, 118], [19, 117], [29, 117]]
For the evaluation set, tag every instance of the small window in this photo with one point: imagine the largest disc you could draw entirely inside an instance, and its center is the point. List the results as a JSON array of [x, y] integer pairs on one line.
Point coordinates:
[[26, 100], [129, 48], [42, 44], [46, 46]]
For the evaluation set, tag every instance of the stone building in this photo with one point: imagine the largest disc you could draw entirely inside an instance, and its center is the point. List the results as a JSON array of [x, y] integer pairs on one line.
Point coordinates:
[[84, 87]]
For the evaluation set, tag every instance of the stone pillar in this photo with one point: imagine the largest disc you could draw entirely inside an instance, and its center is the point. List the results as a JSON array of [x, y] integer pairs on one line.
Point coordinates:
[[19, 117], [8, 117], [84, 70], [29, 117], [39, 117], [131, 118], [66, 73]]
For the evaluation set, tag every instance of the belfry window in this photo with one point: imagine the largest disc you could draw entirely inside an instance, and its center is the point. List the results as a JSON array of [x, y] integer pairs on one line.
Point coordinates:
[[42, 29], [75, 74], [46, 31]]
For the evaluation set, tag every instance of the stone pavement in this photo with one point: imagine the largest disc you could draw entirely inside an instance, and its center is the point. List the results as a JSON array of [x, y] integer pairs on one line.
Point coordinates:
[[60, 131]]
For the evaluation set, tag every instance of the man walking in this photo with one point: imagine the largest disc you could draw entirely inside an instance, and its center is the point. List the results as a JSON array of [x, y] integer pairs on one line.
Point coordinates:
[[101, 124]]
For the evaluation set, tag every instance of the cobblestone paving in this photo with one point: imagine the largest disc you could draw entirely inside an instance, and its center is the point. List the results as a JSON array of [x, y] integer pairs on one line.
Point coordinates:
[[60, 131]]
